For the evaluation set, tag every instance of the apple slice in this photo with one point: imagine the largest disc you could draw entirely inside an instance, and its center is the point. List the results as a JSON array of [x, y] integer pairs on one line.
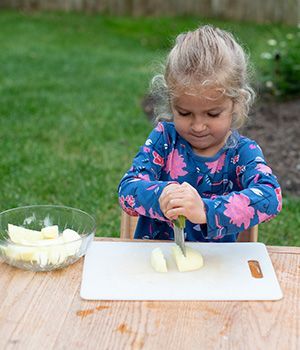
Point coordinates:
[[50, 232], [70, 236], [192, 261], [20, 253], [158, 260], [41, 257], [23, 235], [49, 242], [45, 246], [57, 255], [52, 251]]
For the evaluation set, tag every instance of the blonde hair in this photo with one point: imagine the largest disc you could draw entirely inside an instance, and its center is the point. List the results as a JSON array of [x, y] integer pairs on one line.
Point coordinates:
[[203, 58]]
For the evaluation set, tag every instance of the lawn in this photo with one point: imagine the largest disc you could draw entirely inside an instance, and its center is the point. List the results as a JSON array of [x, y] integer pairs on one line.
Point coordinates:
[[71, 120]]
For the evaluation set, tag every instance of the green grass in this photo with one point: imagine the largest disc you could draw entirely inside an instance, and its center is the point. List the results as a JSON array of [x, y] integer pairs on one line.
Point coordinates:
[[71, 86], [285, 228]]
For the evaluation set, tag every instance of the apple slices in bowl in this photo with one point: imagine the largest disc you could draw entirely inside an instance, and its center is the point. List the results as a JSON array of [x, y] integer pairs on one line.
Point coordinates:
[[46, 246]]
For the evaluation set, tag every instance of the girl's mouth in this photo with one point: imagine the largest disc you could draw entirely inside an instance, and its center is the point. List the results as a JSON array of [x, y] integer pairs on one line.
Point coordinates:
[[199, 136]]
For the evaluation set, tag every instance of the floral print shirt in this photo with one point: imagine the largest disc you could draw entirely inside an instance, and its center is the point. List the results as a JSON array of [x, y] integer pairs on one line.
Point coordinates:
[[237, 186]]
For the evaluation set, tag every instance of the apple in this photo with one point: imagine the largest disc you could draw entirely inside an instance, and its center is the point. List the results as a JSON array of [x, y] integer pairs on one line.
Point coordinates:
[[57, 255], [20, 253], [72, 238], [41, 257], [50, 232], [44, 247], [51, 250], [192, 261], [23, 235], [49, 242], [158, 260]]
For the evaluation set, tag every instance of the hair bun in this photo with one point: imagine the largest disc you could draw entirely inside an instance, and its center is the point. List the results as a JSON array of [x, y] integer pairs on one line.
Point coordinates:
[[180, 38]]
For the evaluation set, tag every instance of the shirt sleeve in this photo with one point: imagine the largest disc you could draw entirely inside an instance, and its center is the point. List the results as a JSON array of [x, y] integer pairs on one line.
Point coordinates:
[[258, 200], [141, 187]]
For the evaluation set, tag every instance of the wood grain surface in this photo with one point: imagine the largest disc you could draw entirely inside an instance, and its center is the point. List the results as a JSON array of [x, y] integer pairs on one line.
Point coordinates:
[[45, 311]]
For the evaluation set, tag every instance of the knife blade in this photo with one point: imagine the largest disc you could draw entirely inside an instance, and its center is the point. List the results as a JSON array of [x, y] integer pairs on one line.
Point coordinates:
[[179, 233]]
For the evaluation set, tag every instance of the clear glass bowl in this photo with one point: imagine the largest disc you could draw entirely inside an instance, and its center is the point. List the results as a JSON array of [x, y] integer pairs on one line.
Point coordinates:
[[45, 257]]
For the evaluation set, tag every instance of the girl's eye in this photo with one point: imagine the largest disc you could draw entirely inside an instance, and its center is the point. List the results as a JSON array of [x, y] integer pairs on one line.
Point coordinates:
[[184, 114], [210, 114]]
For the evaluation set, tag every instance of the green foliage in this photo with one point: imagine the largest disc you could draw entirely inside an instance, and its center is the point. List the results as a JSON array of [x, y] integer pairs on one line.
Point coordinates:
[[280, 73], [284, 229], [71, 87]]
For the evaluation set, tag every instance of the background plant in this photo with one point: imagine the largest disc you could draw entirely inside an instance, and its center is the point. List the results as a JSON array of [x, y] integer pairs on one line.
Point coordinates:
[[280, 65]]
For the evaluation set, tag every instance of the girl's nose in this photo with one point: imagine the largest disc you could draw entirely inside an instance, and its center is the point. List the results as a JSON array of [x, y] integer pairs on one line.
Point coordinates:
[[198, 125]]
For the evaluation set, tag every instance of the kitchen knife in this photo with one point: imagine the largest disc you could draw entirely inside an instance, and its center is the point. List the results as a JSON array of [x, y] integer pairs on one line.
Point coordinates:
[[179, 226]]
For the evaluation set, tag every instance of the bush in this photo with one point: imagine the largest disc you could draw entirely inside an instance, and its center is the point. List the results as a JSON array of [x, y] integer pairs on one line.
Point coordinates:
[[280, 66]]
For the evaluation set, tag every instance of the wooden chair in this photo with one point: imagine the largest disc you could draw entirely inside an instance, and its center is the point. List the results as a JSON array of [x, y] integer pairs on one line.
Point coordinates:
[[128, 224]]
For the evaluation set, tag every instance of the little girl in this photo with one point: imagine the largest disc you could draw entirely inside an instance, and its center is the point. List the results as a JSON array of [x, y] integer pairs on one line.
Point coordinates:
[[195, 163]]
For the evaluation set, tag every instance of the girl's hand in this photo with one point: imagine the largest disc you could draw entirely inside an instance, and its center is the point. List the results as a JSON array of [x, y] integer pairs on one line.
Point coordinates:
[[184, 200]]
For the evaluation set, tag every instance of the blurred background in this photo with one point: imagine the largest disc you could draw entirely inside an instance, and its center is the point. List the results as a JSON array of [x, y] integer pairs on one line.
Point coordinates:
[[74, 104]]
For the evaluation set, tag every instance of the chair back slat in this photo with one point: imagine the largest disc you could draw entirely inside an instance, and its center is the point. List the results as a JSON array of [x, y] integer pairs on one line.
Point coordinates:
[[128, 225]]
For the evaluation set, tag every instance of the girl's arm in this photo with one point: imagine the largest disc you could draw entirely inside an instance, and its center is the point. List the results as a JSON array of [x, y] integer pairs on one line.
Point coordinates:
[[258, 200], [141, 187]]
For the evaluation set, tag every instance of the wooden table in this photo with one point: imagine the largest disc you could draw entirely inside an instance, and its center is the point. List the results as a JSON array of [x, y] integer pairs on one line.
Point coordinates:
[[45, 311]]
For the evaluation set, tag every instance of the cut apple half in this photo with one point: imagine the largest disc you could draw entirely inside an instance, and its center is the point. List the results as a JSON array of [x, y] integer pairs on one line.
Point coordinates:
[[158, 260], [192, 261]]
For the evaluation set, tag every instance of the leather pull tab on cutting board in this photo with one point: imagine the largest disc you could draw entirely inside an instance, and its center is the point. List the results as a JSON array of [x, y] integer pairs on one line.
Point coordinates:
[[255, 269]]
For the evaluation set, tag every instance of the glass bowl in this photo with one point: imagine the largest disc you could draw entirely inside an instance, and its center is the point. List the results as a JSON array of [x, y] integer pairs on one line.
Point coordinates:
[[46, 254]]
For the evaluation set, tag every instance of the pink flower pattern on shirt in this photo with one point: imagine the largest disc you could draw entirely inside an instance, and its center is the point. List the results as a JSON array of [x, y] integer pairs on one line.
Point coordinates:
[[279, 198], [175, 165], [263, 216], [263, 168], [235, 159], [129, 200], [140, 210], [217, 165], [144, 177], [157, 159], [154, 215], [160, 127], [239, 211]]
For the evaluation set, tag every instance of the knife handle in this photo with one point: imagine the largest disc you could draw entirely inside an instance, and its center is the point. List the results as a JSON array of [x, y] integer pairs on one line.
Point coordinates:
[[180, 222]]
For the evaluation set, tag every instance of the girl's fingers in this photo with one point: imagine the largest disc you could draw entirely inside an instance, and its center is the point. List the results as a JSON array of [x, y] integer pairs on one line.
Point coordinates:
[[175, 196], [172, 217], [167, 198], [177, 203], [174, 191], [183, 200], [173, 213], [170, 187]]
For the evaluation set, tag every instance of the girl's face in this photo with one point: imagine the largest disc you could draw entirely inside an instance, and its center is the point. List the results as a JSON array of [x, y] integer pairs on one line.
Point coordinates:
[[204, 121]]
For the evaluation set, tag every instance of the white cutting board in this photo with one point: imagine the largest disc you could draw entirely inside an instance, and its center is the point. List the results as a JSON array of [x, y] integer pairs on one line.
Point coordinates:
[[122, 271]]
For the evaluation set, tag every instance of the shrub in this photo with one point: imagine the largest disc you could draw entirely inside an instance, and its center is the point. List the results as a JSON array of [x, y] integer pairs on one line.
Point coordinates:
[[280, 66]]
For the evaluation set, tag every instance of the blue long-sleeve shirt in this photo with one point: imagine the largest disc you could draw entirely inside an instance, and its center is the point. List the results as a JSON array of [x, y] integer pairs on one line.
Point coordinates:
[[237, 187]]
